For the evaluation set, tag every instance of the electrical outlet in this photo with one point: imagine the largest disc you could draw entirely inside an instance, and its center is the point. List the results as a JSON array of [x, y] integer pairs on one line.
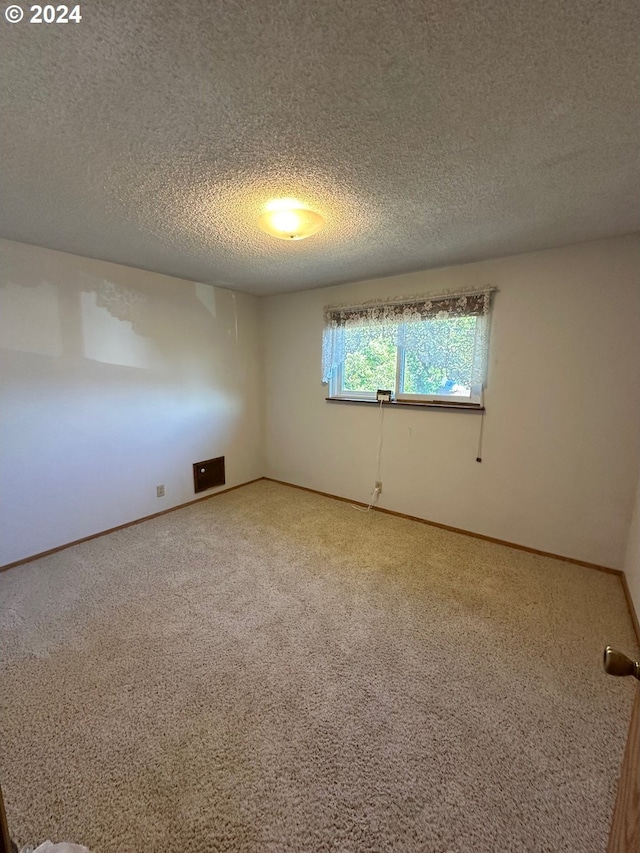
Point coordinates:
[[378, 488], [160, 491]]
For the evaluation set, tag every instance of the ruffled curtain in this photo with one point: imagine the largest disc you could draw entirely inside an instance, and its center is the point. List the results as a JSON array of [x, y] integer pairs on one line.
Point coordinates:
[[418, 324]]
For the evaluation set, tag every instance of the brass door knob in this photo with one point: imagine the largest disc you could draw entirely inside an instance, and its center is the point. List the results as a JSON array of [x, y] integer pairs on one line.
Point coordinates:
[[615, 663]]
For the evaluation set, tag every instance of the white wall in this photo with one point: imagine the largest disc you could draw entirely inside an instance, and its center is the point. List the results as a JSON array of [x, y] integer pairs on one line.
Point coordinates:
[[632, 557], [561, 437], [113, 381]]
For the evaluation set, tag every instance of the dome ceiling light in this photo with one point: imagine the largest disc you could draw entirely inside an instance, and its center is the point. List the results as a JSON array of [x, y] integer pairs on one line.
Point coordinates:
[[286, 219]]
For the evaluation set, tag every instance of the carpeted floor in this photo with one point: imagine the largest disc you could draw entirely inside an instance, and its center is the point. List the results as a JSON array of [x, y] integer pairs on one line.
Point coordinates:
[[271, 670]]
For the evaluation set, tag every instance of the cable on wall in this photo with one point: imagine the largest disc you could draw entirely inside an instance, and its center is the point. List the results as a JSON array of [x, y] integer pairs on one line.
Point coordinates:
[[480, 437], [375, 494]]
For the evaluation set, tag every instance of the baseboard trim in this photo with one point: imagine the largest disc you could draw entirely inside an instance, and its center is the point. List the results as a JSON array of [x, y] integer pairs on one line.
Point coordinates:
[[122, 526], [631, 606], [508, 544]]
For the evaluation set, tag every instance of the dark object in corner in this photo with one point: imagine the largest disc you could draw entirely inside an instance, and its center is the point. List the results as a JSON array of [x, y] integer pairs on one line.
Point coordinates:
[[208, 474], [6, 843]]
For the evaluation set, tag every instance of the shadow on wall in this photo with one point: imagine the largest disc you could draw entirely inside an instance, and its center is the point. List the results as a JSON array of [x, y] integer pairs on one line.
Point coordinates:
[[112, 381], [154, 323], [108, 356]]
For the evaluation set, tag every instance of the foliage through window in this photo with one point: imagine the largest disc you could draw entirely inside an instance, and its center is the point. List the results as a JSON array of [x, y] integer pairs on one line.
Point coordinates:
[[429, 348]]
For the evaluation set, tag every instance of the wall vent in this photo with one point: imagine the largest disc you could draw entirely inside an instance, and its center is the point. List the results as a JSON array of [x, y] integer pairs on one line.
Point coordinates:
[[208, 474]]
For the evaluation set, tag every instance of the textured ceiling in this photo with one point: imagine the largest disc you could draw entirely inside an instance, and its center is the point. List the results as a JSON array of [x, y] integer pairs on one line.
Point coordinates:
[[426, 133]]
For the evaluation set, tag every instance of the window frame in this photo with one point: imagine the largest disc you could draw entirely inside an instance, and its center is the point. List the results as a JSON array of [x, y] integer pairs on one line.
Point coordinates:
[[337, 391]]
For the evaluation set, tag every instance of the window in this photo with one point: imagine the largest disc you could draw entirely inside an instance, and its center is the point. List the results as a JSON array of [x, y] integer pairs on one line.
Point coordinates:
[[422, 349]]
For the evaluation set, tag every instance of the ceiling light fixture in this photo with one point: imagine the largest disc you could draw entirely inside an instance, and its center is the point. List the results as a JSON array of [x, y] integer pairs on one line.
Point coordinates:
[[285, 219]]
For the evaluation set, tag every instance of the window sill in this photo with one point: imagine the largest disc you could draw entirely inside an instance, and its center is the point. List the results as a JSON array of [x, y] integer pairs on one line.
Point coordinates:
[[403, 404]]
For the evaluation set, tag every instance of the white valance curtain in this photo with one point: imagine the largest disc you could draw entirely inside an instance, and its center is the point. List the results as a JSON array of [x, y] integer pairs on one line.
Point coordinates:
[[415, 321]]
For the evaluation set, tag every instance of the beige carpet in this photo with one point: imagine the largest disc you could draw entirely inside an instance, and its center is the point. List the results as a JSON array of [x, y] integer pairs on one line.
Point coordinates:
[[271, 670]]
